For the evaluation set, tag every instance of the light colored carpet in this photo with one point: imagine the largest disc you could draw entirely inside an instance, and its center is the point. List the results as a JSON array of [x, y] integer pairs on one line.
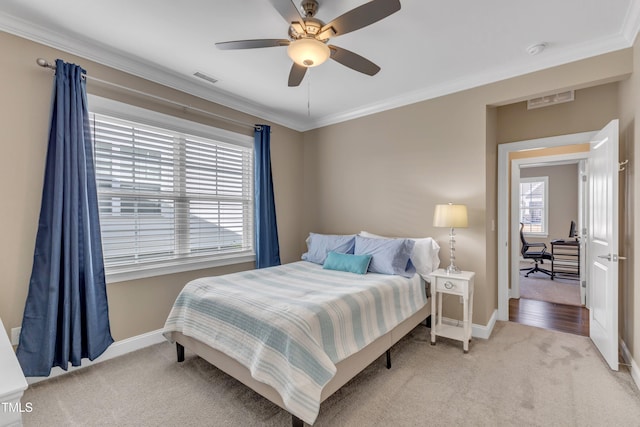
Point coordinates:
[[540, 287], [521, 376]]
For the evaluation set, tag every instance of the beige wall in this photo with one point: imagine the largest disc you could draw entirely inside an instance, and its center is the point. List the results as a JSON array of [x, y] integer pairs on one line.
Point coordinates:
[[629, 297], [136, 306], [386, 172], [383, 173], [491, 215], [591, 110]]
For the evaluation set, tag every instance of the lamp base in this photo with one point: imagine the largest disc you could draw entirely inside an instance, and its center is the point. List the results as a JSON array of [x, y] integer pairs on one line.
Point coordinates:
[[453, 269]]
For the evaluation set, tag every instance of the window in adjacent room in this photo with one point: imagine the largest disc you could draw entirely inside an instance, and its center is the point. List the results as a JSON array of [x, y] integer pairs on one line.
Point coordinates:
[[534, 205], [173, 195]]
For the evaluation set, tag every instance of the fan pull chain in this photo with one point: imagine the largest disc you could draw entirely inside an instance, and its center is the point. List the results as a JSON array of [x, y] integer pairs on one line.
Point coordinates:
[[309, 96]]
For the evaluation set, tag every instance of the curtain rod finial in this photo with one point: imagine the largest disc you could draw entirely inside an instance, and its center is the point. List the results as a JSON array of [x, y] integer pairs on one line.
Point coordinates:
[[44, 63]]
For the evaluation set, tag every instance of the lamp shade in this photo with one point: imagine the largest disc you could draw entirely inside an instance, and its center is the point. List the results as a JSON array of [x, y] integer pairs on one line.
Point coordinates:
[[308, 52], [450, 215]]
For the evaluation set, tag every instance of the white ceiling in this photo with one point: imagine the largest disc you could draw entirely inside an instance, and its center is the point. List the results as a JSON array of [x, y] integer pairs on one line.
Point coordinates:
[[427, 49]]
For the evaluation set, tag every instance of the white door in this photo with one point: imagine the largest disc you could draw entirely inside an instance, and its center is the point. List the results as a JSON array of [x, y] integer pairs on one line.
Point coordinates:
[[602, 242]]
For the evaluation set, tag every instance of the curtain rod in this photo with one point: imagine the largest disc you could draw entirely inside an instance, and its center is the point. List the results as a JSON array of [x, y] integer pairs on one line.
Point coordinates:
[[46, 64]]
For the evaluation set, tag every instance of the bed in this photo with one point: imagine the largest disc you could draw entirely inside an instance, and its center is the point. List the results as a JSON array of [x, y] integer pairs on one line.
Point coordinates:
[[296, 333]]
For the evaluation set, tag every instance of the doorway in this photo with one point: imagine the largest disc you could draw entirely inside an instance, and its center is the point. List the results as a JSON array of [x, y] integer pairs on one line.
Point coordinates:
[[555, 149], [548, 208], [548, 201]]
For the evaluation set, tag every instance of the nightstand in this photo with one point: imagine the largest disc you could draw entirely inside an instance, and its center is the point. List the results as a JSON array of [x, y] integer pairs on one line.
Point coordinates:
[[460, 284], [12, 385]]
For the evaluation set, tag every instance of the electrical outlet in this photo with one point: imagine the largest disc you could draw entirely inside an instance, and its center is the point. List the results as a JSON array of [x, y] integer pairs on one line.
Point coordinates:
[[15, 336]]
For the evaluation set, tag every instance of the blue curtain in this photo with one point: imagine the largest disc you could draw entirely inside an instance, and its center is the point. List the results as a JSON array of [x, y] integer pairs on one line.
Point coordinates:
[[66, 315], [266, 234]]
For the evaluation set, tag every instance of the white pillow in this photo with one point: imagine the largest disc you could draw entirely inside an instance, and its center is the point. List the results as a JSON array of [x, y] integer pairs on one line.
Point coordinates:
[[425, 253]]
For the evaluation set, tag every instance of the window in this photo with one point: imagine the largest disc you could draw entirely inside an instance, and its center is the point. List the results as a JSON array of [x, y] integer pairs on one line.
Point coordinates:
[[534, 205], [173, 195]]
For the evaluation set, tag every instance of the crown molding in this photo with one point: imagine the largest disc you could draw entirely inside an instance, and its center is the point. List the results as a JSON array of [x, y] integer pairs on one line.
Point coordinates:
[[107, 56], [549, 60], [625, 39], [631, 24], [102, 54]]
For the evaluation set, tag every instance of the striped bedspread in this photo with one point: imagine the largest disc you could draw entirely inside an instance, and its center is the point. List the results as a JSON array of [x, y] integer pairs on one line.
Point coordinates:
[[289, 325]]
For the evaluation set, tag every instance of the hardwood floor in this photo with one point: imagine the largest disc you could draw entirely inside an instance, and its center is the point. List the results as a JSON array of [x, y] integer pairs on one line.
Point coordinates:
[[548, 315]]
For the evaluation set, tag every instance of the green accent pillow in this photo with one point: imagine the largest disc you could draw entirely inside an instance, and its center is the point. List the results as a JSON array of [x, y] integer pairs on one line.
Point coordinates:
[[346, 262]]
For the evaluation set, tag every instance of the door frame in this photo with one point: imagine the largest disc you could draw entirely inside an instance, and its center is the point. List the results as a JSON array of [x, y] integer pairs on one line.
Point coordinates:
[[516, 165], [504, 246]]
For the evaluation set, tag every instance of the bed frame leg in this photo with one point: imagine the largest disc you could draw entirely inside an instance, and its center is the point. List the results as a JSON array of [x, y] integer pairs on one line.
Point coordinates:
[[296, 422], [180, 352], [389, 359]]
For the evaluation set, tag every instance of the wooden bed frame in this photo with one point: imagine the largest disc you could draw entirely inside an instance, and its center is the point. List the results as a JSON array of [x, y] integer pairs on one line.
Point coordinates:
[[346, 369]]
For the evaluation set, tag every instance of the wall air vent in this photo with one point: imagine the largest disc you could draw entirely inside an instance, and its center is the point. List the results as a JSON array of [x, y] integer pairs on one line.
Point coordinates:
[[205, 77], [545, 101]]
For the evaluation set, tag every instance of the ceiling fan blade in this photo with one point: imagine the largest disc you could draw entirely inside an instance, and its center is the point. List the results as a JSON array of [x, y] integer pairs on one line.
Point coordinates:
[[288, 10], [353, 60], [362, 16], [296, 75], [252, 44]]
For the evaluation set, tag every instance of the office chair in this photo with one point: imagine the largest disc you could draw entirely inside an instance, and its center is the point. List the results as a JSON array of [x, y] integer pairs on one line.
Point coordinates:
[[538, 256]]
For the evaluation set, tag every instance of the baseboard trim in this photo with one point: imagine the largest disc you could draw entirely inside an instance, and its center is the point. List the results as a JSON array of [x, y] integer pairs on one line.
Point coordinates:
[[477, 331], [485, 331], [633, 366], [138, 342], [116, 349]]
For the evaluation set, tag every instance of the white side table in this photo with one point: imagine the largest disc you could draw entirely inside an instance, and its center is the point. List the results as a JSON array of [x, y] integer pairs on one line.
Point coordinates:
[[454, 284], [12, 383]]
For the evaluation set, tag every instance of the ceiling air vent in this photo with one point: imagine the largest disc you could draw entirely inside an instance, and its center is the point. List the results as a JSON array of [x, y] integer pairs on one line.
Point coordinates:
[[205, 77], [545, 101]]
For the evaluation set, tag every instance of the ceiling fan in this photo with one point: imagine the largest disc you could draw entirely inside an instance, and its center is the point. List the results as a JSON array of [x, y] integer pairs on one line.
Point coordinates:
[[308, 37]]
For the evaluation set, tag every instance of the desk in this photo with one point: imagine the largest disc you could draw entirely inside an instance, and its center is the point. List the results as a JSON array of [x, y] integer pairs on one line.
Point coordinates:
[[565, 262]]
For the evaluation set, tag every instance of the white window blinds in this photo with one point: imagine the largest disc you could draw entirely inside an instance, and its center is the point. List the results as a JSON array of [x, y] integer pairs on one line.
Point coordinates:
[[534, 204], [166, 197]]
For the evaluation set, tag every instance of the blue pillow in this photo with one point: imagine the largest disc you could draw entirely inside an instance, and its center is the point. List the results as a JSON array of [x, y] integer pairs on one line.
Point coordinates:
[[346, 262], [388, 256], [319, 245]]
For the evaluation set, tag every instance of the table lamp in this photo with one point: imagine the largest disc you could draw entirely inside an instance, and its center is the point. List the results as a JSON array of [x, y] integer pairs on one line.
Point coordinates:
[[451, 216]]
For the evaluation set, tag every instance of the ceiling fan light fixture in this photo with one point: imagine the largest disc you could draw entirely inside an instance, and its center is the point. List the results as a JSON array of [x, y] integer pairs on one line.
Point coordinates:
[[308, 52]]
